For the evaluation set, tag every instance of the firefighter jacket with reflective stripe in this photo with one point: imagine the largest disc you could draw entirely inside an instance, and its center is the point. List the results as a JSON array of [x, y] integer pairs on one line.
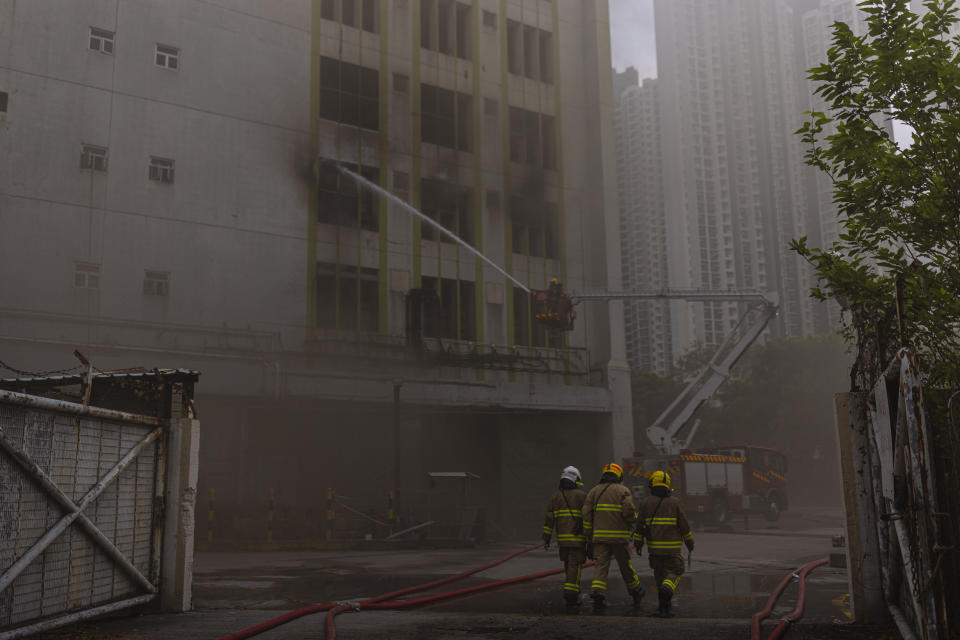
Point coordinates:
[[564, 515], [669, 529], [609, 514]]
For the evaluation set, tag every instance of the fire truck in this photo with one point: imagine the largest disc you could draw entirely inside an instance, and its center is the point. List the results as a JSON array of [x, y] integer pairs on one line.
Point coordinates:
[[717, 484]]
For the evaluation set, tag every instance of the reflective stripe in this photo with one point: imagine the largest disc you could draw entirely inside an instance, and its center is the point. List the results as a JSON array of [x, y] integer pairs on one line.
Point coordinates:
[[569, 586], [612, 534], [598, 585], [664, 545], [608, 507], [671, 584], [548, 530], [688, 535], [663, 521], [573, 513], [571, 536]]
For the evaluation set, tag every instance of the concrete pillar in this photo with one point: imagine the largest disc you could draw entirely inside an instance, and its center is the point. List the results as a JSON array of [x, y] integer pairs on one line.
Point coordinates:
[[176, 568], [863, 548], [618, 381]]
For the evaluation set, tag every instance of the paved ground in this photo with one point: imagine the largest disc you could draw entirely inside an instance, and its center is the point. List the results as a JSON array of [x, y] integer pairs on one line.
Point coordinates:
[[730, 577]]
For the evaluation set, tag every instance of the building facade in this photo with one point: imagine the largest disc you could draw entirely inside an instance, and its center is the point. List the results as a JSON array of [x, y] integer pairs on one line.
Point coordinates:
[[171, 195], [734, 193], [643, 228]]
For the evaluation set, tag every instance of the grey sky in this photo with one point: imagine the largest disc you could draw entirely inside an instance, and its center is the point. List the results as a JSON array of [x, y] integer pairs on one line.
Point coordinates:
[[632, 36]]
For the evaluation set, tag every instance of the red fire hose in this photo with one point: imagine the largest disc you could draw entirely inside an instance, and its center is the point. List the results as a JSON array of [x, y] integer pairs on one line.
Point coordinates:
[[334, 609], [800, 575]]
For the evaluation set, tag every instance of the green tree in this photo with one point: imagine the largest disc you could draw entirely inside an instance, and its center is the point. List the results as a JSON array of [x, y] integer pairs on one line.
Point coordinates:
[[899, 208]]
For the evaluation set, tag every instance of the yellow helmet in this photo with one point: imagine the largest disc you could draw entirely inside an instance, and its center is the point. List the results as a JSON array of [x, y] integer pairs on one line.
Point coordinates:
[[659, 479], [615, 469]]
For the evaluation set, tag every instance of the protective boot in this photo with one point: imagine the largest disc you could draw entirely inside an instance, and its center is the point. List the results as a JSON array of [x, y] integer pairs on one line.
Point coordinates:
[[599, 601], [637, 595], [665, 596], [572, 598]]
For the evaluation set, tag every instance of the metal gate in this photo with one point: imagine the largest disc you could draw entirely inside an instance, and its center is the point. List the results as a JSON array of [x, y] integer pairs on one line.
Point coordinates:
[[81, 495]]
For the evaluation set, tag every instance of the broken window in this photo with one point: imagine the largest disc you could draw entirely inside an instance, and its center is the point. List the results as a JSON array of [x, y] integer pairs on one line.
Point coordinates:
[[451, 206], [530, 52], [514, 47], [546, 57], [370, 16], [464, 122], [348, 13], [464, 32], [343, 201], [450, 313], [428, 12], [521, 317], [347, 298], [549, 134], [446, 26], [534, 227], [445, 32], [349, 94]]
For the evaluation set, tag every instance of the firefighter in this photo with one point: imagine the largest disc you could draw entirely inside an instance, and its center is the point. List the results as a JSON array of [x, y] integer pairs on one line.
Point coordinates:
[[564, 515], [663, 526], [608, 519]]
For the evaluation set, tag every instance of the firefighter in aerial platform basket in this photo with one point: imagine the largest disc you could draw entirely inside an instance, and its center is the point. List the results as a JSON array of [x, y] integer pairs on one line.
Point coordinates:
[[565, 517], [663, 526], [608, 520]]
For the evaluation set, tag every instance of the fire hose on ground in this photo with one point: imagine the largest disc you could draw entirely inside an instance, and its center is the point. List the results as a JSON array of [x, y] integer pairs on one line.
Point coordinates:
[[385, 601], [800, 576]]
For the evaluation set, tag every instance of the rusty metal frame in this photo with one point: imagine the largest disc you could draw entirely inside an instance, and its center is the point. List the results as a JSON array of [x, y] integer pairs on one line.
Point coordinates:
[[73, 511], [900, 456]]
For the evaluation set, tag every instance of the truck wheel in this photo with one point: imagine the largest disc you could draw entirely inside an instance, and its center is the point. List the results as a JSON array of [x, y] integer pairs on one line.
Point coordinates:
[[720, 511], [771, 510]]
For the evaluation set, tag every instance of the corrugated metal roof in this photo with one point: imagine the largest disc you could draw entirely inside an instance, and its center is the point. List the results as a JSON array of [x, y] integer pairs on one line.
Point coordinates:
[[77, 378]]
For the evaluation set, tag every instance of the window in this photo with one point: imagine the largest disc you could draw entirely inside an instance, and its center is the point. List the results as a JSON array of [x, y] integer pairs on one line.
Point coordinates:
[[168, 57], [341, 201], [93, 158], [514, 46], [101, 40], [370, 15], [161, 169], [428, 24], [156, 283], [452, 314], [437, 116], [489, 19], [401, 184], [521, 317], [534, 227], [3, 101], [464, 119], [493, 200], [529, 51], [446, 118], [446, 26], [451, 206], [401, 83], [491, 107], [546, 57], [347, 298], [86, 275], [349, 94], [532, 138], [464, 30]]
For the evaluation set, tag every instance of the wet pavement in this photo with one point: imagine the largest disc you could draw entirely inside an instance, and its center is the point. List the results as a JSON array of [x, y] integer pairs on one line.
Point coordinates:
[[730, 577]]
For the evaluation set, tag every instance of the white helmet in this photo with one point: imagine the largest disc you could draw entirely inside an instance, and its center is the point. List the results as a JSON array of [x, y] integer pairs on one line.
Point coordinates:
[[572, 474]]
